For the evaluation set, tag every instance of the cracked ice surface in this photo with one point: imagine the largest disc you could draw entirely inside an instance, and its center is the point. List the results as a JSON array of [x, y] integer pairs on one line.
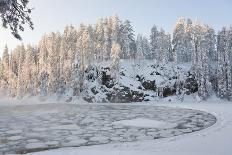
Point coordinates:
[[29, 128]]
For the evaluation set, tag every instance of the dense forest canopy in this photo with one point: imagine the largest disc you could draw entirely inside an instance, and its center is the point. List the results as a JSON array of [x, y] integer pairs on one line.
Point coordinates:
[[60, 62]]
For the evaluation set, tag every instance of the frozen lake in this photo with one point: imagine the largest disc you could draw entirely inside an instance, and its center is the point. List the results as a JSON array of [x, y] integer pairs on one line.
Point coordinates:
[[31, 128]]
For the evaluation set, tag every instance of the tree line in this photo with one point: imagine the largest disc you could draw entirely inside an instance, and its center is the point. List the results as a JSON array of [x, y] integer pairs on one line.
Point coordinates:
[[59, 62]]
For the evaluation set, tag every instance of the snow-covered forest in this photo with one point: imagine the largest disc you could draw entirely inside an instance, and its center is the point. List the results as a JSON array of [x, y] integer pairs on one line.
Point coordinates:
[[106, 59]]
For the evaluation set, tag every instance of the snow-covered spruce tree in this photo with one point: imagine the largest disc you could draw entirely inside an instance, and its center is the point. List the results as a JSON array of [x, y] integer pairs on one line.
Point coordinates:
[[178, 41], [80, 55], [107, 40], [53, 70], [12, 78], [5, 69], [140, 48], [88, 46], [21, 76], [169, 44], [13, 71], [99, 41], [146, 48], [88, 49], [212, 44], [154, 42], [127, 40], [67, 58], [115, 29], [221, 74], [163, 52], [42, 67], [188, 41], [75, 76], [228, 62], [115, 57], [30, 71], [196, 55], [204, 84], [15, 14]]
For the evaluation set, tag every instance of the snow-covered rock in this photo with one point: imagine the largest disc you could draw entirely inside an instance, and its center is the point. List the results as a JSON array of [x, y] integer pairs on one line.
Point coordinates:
[[136, 83]]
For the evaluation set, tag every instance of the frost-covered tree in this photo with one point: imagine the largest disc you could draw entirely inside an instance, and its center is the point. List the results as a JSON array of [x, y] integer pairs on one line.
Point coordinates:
[[30, 71], [79, 57], [212, 43], [107, 40], [221, 48], [53, 70], [20, 80], [139, 46], [228, 62], [99, 41], [63, 64], [115, 57], [67, 57], [88, 46], [42, 67], [146, 48], [178, 40], [163, 48], [197, 35], [15, 14], [204, 84], [127, 40], [12, 86], [115, 25], [154, 42], [5, 69], [188, 40]]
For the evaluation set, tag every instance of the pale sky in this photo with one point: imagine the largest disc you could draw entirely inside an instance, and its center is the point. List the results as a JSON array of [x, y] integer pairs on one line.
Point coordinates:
[[53, 15]]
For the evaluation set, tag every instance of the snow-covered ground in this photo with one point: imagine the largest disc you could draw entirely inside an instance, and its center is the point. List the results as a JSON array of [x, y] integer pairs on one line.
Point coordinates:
[[215, 140]]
